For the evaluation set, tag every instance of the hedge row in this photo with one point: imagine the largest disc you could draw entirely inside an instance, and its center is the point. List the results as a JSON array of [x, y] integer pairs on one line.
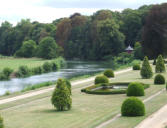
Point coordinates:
[[25, 71]]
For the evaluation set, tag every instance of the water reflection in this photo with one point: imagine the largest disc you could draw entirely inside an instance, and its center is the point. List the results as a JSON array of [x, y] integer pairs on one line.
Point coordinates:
[[73, 68]]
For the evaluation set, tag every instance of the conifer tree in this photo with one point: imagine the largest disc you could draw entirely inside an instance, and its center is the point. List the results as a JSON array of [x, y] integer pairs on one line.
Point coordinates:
[[160, 66], [61, 98], [146, 70]]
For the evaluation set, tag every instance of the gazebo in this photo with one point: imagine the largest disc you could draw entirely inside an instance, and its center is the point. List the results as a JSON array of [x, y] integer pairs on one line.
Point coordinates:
[[129, 49]]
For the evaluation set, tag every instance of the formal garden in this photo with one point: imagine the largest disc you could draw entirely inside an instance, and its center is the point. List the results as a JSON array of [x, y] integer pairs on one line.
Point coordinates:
[[111, 94]]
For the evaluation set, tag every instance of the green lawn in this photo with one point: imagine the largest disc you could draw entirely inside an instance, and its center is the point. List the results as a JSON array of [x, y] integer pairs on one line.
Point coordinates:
[[88, 110], [14, 63]]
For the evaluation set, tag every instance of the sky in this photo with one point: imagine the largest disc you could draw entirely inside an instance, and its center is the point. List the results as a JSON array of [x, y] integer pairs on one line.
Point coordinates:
[[45, 11]]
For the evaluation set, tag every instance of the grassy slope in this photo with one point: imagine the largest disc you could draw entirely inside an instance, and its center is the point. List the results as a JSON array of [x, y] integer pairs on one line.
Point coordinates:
[[14, 63], [88, 110]]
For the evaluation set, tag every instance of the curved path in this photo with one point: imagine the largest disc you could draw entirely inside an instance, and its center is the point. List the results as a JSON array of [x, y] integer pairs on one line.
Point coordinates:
[[75, 83]]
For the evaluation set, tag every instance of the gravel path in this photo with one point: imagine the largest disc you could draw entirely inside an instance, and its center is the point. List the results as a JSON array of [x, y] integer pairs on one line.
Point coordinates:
[[75, 83]]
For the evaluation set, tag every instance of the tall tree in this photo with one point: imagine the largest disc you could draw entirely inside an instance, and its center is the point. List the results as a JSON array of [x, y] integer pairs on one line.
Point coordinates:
[[155, 31]]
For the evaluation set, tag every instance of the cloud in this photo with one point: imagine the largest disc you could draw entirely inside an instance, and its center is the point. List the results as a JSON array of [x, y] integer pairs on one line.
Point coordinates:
[[48, 10]]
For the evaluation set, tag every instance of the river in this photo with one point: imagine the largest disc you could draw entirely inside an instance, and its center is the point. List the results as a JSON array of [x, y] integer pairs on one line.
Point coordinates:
[[73, 69]]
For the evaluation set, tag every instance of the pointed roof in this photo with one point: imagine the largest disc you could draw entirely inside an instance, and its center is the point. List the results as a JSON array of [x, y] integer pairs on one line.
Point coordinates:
[[129, 48]]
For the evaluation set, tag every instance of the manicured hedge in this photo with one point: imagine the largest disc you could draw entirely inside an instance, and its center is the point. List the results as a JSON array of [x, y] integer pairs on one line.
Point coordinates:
[[102, 91], [135, 89], [133, 107], [101, 79], [159, 79], [136, 67], [109, 73]]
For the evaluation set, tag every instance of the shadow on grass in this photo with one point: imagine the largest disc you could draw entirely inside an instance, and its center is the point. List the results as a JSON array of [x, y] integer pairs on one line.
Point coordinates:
[[51, 111]]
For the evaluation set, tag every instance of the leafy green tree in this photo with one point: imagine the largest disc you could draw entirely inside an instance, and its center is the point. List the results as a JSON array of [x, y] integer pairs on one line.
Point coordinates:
[[160, 66], [27, 50], [61, 97], [146, 70], [47, 48], [154, 31], [138, 53]]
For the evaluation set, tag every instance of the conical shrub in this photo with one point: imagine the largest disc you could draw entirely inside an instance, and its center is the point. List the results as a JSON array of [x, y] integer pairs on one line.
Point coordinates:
[[146, 70], [160, 66]]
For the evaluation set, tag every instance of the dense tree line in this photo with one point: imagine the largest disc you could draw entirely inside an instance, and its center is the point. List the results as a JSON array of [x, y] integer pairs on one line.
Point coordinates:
[[103, 35]]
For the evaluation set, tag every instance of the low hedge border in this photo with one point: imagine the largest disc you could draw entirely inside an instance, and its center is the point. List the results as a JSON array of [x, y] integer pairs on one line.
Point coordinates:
[[88, 90]]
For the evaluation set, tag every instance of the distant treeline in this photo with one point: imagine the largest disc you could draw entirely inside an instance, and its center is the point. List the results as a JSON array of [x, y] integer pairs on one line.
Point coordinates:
[[105, 33]]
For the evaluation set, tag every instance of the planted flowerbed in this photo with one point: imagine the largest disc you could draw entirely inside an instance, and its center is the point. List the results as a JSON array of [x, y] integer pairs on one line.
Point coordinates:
[[109, 88]]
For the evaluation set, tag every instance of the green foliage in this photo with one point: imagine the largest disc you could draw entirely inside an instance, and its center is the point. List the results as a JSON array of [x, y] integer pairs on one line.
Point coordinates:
[[23, 71], [136, 67], [1, 123], [2, 76], [138, 53], [47, 48], [133, 107], [109, 73], [101, 79], [146, 70], [37, 70], [61, 96], [160, 66], [27, 49], [135, 89], [159, 79], [47, 67], [154, 62], [7, 71], [55, 66]]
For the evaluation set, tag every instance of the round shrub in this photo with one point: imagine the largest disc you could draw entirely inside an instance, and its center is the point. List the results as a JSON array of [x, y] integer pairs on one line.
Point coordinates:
[[47, 67], [159, 79], [133, 107], [135, 89], [101, 79], [2, 76], [23, 71], [109, 73], [136, 67]]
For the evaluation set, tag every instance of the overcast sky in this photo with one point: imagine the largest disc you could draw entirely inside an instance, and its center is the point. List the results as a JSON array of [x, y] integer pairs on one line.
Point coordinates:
[[46, 11]]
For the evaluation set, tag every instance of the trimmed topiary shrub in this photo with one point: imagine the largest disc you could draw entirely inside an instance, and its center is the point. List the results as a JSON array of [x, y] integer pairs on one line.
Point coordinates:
[[101, 79], [160, 66], [133, 107], [135, 89], [159, 79], [61, 96], [47, 67], [146, 70], [136, 67], [109, 73], [23, 71]]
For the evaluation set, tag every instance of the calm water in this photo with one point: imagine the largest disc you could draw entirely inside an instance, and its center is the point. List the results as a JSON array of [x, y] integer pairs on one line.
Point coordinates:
[[73, 68]]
